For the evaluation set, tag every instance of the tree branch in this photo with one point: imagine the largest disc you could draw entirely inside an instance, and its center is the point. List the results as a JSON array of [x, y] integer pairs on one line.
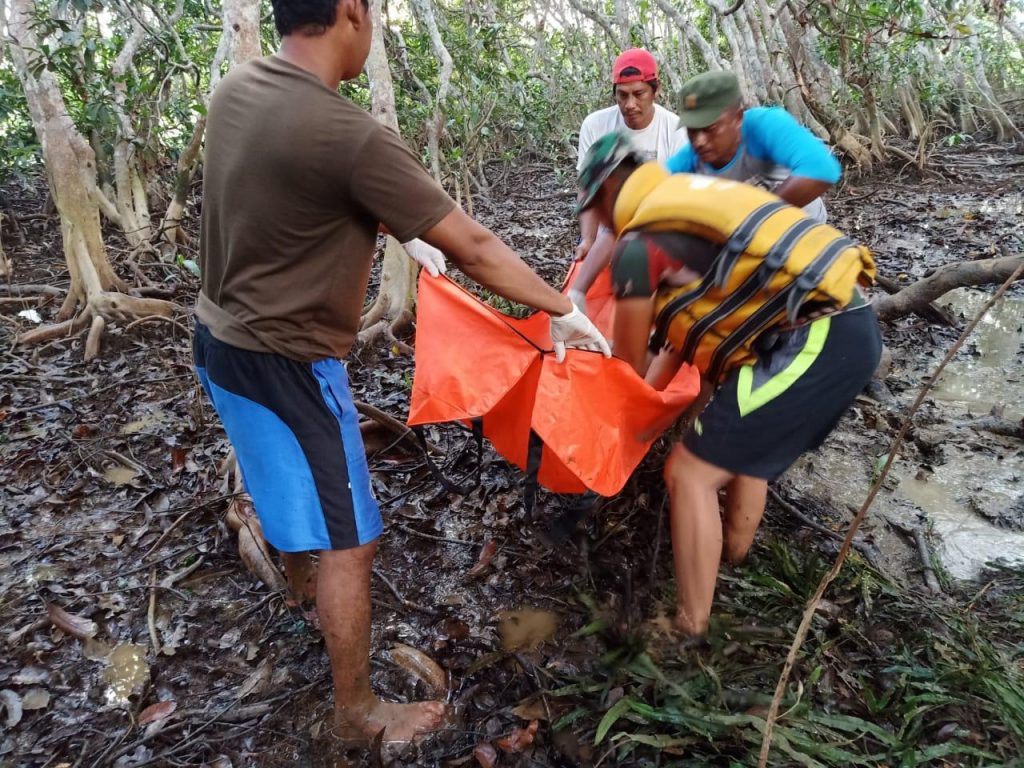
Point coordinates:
[[917, 296]]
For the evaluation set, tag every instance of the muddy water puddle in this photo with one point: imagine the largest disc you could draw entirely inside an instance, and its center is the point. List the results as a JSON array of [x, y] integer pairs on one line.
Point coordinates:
[[966, 540], [970, 487], [948, 495], [992, 374]]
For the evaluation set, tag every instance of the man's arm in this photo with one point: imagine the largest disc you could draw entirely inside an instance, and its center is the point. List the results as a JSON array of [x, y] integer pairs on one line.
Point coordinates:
[[484, 257], [775, 135], [588, 219], [588, 234], [633, 320], [437, 220], [598, 257], [801, 190]]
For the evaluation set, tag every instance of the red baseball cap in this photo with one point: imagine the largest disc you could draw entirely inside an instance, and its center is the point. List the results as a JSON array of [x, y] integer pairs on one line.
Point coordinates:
[[638, 58]]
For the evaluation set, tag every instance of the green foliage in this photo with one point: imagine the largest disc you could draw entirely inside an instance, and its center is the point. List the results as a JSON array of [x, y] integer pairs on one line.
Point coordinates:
[[883, 679], [19, 149], [523, 79]]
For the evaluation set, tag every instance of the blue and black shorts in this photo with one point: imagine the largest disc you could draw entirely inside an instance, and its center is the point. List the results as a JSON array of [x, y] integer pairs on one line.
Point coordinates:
[[296, 435]]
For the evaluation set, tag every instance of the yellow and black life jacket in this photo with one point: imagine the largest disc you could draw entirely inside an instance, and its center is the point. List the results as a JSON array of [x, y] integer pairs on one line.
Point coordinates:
[[774, 258]]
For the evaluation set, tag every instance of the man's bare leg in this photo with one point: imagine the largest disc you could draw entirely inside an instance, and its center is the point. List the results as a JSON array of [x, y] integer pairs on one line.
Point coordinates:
[[301, 574], [696, 535], [343, 601], [745, 498]]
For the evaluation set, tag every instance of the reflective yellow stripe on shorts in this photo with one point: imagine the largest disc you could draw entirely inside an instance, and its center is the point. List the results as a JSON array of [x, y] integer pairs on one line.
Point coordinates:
[[749, 401]]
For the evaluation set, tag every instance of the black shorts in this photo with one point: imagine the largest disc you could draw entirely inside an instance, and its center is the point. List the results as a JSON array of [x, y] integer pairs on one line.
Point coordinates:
[[296, 436], [765, 415]]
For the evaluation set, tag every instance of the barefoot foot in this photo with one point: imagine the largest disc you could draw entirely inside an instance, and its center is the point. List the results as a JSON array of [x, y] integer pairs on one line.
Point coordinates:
[[687, 626], [400, 722]]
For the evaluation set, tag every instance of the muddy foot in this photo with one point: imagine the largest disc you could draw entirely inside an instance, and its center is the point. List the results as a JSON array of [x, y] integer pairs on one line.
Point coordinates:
[[687, 627], [400, 722]]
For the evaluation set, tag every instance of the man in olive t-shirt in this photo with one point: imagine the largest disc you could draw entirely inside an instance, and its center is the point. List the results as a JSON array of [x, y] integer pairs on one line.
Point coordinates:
[[297, 182]]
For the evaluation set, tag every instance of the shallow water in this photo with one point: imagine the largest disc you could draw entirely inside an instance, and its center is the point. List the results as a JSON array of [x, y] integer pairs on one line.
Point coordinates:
[[966, 540], [993, 376], [128, 670]]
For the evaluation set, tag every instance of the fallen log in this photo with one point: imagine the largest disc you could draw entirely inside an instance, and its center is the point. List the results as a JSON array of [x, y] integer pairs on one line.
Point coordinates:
[[917, 296], [928, 311]]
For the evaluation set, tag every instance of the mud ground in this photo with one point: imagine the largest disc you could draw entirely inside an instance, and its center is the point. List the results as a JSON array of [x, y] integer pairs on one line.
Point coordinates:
[[113, 513]]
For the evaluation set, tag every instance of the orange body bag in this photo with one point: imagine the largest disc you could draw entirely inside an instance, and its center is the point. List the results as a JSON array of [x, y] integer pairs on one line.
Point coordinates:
[[589, 420]]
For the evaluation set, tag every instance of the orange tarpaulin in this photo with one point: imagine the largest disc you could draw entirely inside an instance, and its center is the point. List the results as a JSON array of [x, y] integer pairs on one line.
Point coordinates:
[[595, 417]]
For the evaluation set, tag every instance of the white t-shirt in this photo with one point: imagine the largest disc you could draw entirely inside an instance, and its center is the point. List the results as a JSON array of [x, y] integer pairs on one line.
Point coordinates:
[[658, 141]]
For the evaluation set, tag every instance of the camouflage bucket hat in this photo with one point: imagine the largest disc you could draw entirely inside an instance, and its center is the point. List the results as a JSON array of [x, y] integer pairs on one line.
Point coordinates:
[[604, 156]]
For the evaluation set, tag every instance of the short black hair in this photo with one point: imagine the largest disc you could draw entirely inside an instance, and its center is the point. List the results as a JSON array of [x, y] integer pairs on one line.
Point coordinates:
[[311, 17], [630, 71]]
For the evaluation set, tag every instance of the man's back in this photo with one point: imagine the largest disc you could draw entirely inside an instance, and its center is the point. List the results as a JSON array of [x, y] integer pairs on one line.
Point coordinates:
[[296, 183]]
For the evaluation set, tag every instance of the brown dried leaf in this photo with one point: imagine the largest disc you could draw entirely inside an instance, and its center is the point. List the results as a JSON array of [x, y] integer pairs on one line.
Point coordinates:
[[533, 711], [35, 698], [157, 711], [486, 755], [258, 680], [120, 475], [420, 665], [178, 456], [75, 626], [455, 629], [256, 557], [520, 739], [240, 512], [490, 548]]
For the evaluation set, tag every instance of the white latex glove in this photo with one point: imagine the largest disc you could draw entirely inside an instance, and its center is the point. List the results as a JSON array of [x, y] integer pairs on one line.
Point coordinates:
[[578, 298], [575, 330], [426, 256]]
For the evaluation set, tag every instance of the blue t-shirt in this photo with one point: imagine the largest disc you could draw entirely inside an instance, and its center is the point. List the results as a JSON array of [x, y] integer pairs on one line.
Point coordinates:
[[773, 145]]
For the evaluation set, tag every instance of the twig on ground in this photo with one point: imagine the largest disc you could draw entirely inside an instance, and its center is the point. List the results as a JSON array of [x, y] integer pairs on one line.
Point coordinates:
[[182, 516], [21, 290], [926, 560], [812, 604], [94, 392], [657, 545], [152, 318], [173, 578], [398, 595], [151, 614], [615, 527], [129, 463], [219, 716], [872, 193], [916, 534], [861, 546], [432, 537]]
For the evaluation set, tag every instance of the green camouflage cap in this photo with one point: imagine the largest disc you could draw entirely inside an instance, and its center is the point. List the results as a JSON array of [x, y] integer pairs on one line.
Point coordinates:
[[704, 98], [604, 156]]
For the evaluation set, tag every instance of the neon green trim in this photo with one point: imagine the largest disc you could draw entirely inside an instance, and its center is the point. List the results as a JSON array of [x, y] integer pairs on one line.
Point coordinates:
[[749, 401]]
